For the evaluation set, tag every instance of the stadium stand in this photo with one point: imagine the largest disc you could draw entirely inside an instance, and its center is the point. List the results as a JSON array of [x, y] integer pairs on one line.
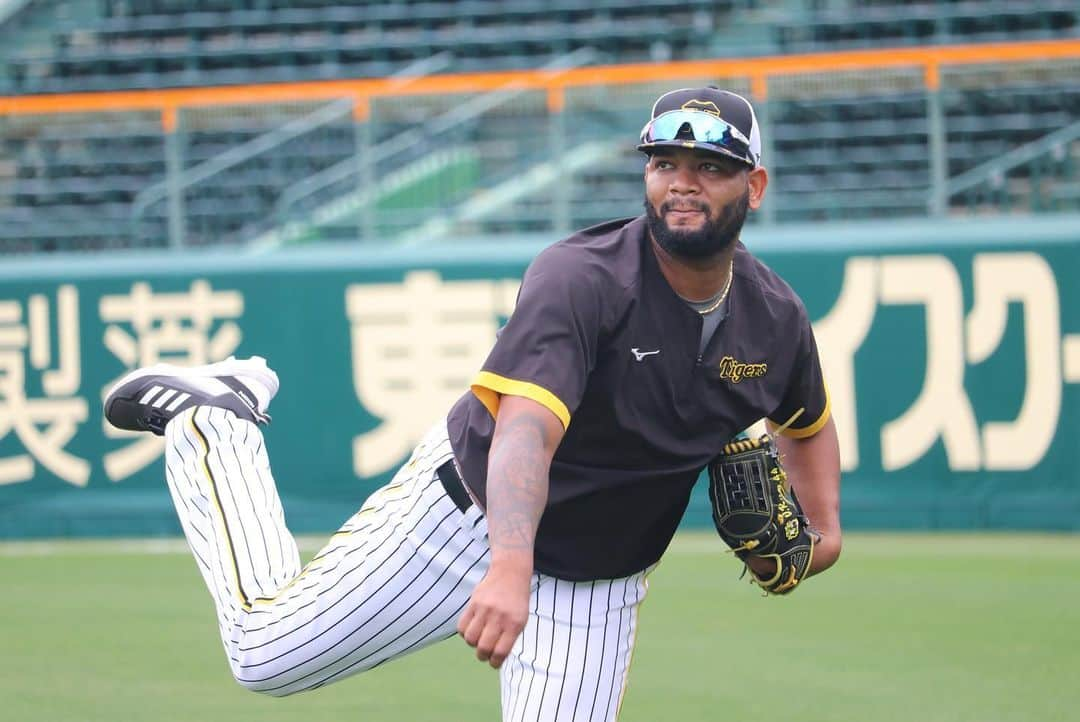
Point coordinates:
[[67, 181], [233, 203], [817, 24], [841, 145], [68, 45], [156, 43]]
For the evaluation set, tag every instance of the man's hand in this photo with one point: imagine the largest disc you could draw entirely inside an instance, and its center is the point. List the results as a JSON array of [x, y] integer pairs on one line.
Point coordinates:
[[496, 613], [826, 552]]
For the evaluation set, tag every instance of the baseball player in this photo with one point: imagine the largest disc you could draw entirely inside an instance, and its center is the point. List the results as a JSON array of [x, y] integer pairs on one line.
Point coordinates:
[[528, 518]]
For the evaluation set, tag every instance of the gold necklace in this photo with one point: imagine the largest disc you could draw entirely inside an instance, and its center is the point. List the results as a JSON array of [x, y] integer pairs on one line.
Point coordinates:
[[723, 294]]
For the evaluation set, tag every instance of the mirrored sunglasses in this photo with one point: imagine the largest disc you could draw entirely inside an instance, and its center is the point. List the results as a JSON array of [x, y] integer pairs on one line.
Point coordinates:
[[706, 131]]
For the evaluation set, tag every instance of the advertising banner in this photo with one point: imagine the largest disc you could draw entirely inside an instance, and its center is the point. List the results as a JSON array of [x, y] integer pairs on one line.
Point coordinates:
[[953, 366]]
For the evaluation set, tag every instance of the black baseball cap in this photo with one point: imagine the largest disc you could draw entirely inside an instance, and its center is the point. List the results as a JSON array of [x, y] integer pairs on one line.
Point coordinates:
[[707, 119]]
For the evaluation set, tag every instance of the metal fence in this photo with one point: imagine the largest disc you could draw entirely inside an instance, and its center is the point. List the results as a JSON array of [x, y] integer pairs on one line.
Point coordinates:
[[896, 133]]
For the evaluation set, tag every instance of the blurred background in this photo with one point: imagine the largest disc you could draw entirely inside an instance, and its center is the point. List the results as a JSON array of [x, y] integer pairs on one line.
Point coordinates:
[[353, 190]]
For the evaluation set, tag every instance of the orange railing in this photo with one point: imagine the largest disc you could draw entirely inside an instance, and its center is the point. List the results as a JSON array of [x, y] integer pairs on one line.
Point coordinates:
[[758, 70]]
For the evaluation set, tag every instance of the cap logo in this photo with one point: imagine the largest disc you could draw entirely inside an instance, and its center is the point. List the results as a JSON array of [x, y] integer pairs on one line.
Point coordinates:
[[706, 106]]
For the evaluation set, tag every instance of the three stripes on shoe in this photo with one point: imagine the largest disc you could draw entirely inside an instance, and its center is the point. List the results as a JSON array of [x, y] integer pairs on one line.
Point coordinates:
[[158, 396]]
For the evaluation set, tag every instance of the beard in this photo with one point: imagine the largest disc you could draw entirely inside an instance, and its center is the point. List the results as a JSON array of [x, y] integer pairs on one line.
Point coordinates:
[[716, 235]]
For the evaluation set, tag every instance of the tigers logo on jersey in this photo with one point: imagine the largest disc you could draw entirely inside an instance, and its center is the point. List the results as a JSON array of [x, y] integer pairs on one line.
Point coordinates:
[[735, 371]]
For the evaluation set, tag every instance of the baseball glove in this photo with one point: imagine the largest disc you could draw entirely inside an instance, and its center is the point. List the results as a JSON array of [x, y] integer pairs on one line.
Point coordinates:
[[757, 514]]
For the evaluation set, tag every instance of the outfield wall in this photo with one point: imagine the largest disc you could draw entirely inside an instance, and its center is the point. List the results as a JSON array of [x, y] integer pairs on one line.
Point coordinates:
[[952, 352]]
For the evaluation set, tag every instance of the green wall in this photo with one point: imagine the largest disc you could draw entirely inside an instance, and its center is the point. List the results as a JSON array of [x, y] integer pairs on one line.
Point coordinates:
[[952, 352]]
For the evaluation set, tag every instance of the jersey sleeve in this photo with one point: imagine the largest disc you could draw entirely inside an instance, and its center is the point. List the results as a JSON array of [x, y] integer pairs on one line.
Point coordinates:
[[548, 347], [807, 397]]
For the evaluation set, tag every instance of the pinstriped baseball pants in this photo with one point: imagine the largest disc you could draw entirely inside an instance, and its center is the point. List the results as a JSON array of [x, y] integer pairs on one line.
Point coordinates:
[[392, 580]]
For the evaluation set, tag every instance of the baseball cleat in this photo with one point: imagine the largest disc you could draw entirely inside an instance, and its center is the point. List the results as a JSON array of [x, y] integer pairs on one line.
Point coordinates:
[[148, 398]]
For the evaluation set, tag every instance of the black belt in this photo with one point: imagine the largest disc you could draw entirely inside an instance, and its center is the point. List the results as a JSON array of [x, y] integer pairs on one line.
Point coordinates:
[[454, 485]]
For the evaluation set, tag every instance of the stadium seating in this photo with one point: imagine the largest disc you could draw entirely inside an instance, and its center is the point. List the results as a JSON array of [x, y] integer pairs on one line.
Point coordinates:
[[68, 180], [164, 44], [832, 158], [839, 148], [74, 179], [877, 23], [63, 46]]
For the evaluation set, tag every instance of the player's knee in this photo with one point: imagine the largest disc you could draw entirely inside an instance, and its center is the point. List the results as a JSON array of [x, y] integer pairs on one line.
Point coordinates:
[[262, 681], [270, 688]]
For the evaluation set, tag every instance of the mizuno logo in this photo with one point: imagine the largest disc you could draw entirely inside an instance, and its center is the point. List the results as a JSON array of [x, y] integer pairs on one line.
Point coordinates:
[[639, 354]]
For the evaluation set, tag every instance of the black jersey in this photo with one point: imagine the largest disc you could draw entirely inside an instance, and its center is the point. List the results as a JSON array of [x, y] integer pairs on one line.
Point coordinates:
[[601, 339]]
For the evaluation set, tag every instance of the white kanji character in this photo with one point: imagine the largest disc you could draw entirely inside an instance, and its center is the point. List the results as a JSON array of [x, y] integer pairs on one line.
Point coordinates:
[[416, 347], [188, 329], [44, 425]]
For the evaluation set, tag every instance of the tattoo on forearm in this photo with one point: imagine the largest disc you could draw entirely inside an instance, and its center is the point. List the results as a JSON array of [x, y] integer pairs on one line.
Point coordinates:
[[517, 484]]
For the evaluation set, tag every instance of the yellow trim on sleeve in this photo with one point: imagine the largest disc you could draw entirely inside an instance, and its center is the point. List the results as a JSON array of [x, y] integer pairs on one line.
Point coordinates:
[[487, 386], [806, 432]]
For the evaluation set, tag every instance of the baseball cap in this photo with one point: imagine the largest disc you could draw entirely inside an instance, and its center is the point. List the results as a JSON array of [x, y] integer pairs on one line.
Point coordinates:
[[708, 119]]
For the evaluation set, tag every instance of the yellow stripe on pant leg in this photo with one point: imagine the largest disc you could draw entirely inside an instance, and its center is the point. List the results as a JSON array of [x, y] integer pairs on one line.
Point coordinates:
[[633, 636], [242, 597]]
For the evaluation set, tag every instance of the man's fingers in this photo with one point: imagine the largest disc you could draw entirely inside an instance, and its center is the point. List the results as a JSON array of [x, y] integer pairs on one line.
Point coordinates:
[[492, 621], [466, 618], [492, 637], [503, 647], [488, 639], [474, 630]]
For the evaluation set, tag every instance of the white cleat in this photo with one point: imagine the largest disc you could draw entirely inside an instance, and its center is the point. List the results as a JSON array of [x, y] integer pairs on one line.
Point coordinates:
[[148, 398]]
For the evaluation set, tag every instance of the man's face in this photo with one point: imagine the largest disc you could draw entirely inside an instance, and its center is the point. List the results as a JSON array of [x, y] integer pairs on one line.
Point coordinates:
[[697, 202]]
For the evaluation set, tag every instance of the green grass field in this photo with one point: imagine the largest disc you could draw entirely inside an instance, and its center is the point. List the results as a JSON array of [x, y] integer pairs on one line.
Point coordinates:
[[915, 628]]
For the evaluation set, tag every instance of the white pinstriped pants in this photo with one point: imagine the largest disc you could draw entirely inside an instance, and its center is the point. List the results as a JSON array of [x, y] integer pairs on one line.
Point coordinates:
[[392, 580]]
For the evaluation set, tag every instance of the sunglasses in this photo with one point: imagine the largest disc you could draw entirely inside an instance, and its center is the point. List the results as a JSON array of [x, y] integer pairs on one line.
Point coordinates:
[[706, 131]]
